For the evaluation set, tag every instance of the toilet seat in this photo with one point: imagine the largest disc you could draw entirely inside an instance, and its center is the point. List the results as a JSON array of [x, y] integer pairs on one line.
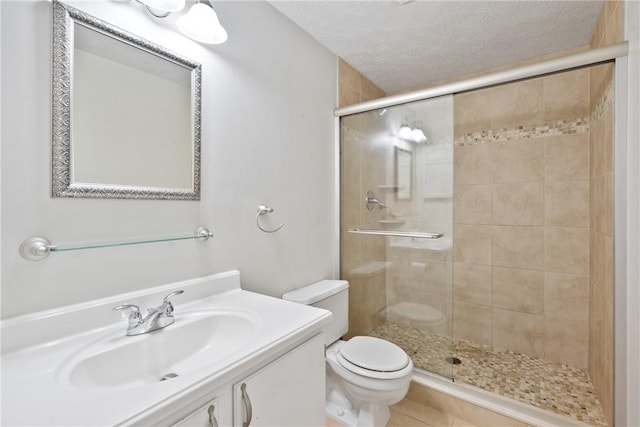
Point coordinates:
[[373, 357]]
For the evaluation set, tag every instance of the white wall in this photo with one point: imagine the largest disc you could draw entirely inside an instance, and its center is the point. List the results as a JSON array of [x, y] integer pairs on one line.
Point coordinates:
[[267, 137]]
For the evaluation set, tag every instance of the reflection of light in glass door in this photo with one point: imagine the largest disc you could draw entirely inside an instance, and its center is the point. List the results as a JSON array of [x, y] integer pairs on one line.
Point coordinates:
[[397, 192]]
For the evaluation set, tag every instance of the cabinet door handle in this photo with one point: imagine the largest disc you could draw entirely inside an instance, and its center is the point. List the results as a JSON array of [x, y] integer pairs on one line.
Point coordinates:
[[213, 422], [247, 405]]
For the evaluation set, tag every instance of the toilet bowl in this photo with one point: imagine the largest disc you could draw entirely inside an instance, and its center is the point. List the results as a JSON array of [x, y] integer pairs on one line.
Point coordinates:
[[365, 375]]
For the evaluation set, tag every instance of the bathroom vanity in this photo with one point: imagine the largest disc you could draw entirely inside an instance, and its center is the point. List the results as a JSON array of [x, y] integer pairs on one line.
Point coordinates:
[[232, 358]]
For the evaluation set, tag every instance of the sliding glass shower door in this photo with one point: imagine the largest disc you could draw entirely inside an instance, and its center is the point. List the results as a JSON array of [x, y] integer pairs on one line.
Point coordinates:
[[397, 225]]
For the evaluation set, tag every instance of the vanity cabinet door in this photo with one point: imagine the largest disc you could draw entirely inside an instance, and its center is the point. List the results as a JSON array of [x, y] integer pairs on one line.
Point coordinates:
[[216, 413], [289, 392]]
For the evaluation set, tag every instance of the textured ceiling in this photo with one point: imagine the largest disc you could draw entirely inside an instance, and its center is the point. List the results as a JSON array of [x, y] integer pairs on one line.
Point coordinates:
[[399, 44]]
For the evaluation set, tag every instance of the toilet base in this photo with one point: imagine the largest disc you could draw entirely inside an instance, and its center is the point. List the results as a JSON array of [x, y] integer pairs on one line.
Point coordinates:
[[372, 415]]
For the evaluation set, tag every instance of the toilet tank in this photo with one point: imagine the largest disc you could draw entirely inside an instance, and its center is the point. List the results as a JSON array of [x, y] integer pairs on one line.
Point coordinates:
[[332, 295]]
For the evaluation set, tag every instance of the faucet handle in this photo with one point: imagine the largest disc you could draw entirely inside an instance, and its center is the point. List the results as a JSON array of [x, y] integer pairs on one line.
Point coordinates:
[[172, 294], [168, 307], [134, 315]]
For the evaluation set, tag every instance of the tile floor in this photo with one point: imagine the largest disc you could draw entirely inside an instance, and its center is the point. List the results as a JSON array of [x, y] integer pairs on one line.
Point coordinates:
[[551, 386]]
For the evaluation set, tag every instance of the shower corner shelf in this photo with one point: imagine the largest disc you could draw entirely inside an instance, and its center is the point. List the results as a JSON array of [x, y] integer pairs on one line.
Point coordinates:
[[38, 248]]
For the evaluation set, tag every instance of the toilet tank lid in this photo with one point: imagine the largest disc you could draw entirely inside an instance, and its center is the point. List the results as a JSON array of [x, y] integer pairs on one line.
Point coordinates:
[[315, 292]]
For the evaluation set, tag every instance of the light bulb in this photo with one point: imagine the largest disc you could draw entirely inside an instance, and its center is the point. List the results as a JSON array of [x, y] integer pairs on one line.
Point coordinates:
[[201, 24]]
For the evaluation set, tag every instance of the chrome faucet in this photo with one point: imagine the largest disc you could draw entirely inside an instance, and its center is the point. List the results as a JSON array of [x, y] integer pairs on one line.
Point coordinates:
[[156, 318]]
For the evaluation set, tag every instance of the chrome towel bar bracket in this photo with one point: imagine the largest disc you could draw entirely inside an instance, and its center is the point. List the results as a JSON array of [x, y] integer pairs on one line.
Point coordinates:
[[262, 209]]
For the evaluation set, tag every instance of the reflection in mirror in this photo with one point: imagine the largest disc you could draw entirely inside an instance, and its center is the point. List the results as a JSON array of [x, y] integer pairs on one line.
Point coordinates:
[[403, 168], [126, 114]]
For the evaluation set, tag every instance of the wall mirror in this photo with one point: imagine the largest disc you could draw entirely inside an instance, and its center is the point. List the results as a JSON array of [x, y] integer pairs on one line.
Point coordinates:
[[126, 114], [403, 169]]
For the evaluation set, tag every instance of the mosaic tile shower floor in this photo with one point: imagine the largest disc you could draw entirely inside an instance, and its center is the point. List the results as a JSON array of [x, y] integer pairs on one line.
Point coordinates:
[[550, 386]]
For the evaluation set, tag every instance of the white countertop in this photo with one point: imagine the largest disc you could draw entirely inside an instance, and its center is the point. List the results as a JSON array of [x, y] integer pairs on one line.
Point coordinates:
[[37, 355]]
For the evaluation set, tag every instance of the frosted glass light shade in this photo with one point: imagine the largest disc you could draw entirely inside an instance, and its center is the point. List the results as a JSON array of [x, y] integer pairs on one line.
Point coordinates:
[[405, 132], [201, 24], [164, 5], [418, 135]]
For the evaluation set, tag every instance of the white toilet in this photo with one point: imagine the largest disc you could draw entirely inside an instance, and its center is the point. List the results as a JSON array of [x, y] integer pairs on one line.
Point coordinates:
[[365, 375]]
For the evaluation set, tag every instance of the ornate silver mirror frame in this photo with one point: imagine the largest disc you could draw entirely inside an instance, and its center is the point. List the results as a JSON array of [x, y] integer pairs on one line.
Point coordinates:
[[64, 19]]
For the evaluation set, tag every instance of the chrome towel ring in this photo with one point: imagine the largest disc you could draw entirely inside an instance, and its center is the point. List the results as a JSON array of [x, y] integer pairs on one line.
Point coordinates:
[[262, 209]]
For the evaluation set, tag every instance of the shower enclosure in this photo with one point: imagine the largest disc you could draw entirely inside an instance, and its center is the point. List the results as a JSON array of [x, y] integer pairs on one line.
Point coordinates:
[[467, 223]]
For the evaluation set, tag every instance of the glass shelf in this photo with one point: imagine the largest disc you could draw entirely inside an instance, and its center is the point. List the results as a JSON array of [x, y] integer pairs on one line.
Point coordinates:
[[37, 248]]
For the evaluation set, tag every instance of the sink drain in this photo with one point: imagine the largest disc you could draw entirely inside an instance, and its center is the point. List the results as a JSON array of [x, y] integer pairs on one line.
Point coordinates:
[[453, 360], [168, 376]]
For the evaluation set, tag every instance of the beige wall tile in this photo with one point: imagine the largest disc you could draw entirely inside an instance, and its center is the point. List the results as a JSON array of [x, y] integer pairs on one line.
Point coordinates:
[[348, 96], [596, 337], [519, 332], [471, 112], [518, 290], [483, 417], [473, 164], [472, 283], [348, 76], [472, 244], [518, 247], [423, 413], [607, 280], [599, 260], [614, 25], [598, 143], [601, 76], [516, 104], [566, 203], [518, 204], [566, 296], [353, 87], [566, 157], [518, 161], [567, 342], [567, 250], [598, 206], [459, 422], [435, 399], [472, 204], [369, 90], [400, 419], [607, 201], [473, 322], [607, 136], [565, 95]]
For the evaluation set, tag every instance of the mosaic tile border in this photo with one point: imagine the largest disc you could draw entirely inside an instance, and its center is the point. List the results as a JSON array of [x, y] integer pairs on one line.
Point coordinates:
[[560, 127], [604, 104]]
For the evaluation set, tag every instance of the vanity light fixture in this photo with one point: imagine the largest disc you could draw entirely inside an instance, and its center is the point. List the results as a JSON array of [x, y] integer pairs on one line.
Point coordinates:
[[201, 24], [412, 134], [162, 8]]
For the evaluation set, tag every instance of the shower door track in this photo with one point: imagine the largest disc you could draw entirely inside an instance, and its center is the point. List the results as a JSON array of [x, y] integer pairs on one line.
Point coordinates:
[[564, 63]]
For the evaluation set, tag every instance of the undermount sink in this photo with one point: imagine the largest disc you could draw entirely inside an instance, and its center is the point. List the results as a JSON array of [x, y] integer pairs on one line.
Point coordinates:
[[196, 340]]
